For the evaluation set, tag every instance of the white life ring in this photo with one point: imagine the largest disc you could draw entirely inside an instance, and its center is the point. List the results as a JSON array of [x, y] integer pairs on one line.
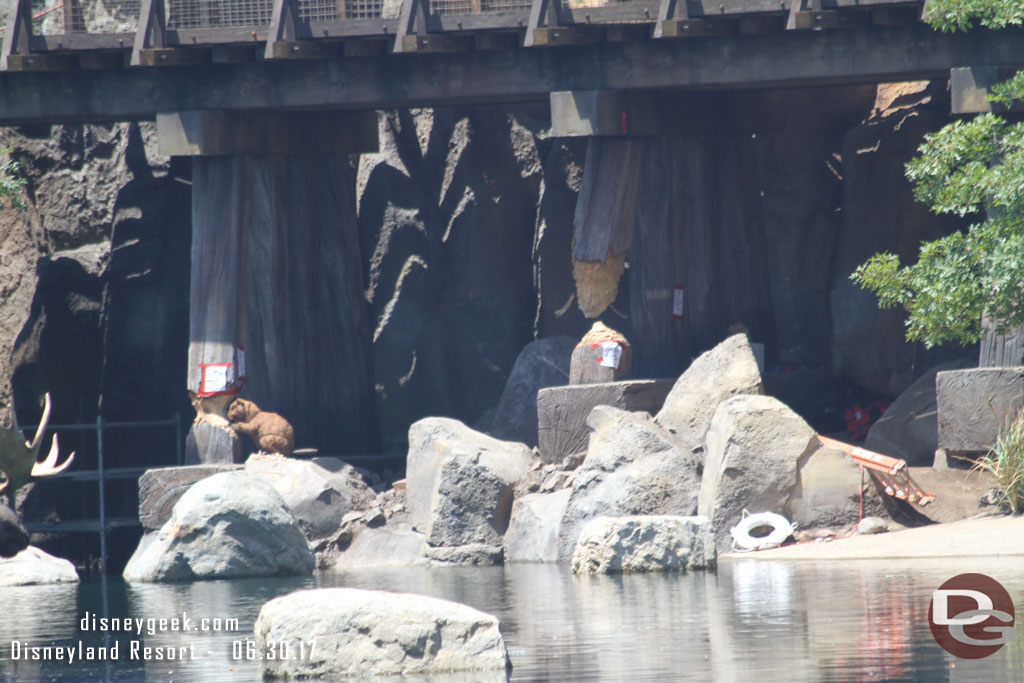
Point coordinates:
[[742, 539]]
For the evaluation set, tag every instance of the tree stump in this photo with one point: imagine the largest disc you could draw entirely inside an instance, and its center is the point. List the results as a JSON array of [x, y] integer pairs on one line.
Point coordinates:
[[603, 355]]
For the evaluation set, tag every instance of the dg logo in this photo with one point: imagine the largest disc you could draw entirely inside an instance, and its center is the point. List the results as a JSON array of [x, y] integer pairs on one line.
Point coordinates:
[[971, 616]]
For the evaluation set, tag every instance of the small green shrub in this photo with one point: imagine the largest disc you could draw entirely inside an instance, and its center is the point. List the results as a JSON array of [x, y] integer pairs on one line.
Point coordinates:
[[11, 180], [1006, 461]]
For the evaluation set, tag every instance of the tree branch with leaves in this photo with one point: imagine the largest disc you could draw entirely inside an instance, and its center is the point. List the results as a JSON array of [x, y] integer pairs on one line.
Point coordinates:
[[967, 168]]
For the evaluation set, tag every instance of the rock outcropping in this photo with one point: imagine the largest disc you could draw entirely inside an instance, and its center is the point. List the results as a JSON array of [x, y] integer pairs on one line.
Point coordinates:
[[612, 545]]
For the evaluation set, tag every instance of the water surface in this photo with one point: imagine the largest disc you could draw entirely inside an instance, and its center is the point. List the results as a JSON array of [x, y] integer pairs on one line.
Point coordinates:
[[749, 621]]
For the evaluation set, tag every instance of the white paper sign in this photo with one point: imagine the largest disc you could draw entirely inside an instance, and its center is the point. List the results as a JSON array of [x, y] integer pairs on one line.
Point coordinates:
[[215, 379], [677, 303], [610, 354]]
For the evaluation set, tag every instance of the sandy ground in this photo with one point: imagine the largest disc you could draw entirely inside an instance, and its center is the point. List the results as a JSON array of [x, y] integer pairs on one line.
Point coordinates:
[[956, 524], [991, 536]]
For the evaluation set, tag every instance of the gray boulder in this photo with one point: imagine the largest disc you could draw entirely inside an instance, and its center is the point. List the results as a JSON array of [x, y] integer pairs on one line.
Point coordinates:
[[33, 566], [542, 363], [909, 429], [230, 525], [460, 482], [633, 467], [755, 445], [345, 632], [394, 545], [319, 492], [533, 530], [729, 369], [611, 545]]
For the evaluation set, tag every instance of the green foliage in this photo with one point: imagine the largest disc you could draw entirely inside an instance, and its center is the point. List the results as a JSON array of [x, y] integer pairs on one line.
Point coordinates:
[[960, 15], [1006, 462], [965, 168], [11, 180]]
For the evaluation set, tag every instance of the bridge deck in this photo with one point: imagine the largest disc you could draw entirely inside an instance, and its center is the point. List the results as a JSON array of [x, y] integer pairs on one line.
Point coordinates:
[[128, 59]]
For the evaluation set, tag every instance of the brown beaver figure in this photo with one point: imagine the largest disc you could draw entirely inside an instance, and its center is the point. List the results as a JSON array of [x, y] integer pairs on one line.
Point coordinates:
[[269, 431]]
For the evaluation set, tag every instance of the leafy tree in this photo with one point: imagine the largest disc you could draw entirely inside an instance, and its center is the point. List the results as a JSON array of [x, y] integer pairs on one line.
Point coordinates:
[[11, 180], [967, 167]]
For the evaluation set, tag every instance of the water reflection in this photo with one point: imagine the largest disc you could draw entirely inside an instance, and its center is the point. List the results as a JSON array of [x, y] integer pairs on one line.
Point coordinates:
[[752, 620]]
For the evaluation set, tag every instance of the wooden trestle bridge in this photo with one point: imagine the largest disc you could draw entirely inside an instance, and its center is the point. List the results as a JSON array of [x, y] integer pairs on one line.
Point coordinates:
[[68, 60]]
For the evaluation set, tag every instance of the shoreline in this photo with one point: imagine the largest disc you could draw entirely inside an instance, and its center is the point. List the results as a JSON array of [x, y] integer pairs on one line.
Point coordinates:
[[990, 536]]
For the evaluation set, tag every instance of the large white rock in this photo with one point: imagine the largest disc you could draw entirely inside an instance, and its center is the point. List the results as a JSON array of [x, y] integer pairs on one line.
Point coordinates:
[[633, 467], [394, 545], [350, 632], [754, 445], [532, 534], [654, 543], [33, 566], [460, 482], [729, 369], [230, 525]]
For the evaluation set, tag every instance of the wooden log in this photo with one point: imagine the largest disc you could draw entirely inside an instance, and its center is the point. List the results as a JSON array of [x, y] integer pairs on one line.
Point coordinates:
[[603, 222], [276, 268], [595, 361], [562, 411]]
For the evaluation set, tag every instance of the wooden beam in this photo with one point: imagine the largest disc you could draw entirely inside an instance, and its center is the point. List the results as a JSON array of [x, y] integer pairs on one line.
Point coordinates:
[[103, 60], [790, 59], [567, 35], [542, 13], [284, 27], [365, 47], [831, 19], [18, 35], [625, 33], [498, 40], [411, 21], [667, 12], [173, 56], [697, 28], [152, 27], [37, 62], [302, 49]]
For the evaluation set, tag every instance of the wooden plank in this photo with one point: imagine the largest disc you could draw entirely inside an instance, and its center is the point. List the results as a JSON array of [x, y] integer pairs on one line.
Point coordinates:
[[172, 56], [232, 54], [606, 205], [103, 60], [1000, 350], [498, 40], [485, 21], [628, 33], [567, 35], [40, 62], [82, 42], [697, 28], [765, 23], [611, 14], [436, 43], [365, 47], [831, 19], [302, 49]]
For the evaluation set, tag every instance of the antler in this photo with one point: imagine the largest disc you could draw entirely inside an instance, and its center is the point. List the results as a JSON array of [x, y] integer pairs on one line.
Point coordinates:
[[18, 457]]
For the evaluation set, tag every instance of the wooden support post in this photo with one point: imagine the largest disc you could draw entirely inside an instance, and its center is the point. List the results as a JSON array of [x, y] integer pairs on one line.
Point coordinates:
[[18, 33], [150, 34], [798, 7], [282, 37], [667, 12], [412, 21], [543, 13]]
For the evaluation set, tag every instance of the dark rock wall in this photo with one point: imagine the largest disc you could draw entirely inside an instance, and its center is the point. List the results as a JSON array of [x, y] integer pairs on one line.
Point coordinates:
[[465, 230], [95, 272]]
